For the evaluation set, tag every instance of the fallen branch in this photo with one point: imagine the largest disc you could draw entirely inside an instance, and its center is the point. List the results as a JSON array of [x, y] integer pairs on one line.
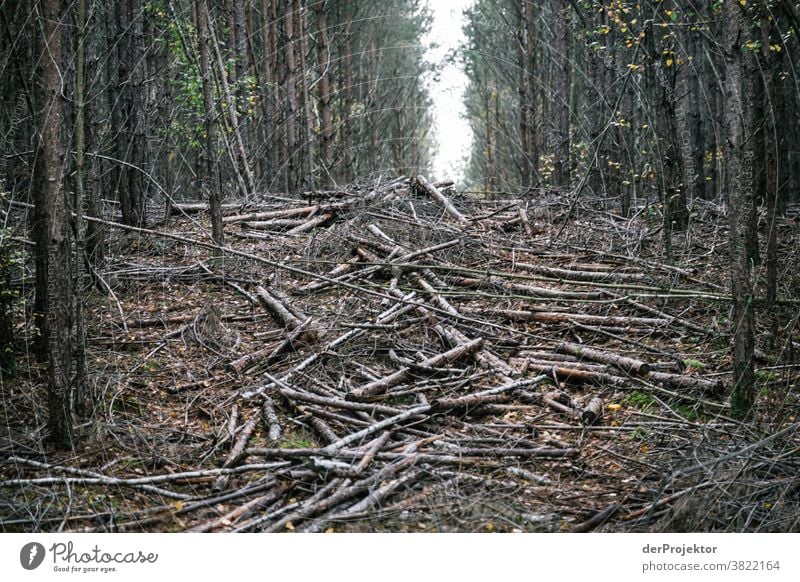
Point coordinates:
[[422, 183]]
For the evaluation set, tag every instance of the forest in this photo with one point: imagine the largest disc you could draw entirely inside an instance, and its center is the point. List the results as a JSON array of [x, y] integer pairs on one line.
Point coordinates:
[[236, 298]]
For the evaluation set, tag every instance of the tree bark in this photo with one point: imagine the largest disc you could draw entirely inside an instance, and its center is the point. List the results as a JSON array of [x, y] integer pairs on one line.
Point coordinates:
[[323, 65], [211, 178], [308, 118], [740, 183], [291, 99], [53, 248], [81, 204], [524, 90], [561, 83]]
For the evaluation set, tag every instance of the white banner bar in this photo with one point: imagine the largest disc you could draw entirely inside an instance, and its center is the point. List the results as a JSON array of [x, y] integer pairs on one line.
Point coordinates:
[[400, 557]]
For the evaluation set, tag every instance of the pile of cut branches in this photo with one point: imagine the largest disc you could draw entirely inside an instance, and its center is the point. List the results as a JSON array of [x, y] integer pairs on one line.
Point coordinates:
[[401, 358]]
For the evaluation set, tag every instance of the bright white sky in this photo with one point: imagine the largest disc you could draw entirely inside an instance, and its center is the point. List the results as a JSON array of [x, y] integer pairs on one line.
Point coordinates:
[[452, 129]]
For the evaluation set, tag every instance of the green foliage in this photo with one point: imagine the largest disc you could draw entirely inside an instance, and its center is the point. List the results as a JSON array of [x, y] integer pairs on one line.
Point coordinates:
[[176, 33], [297, 441], [690, 413], [765, 376], [693, 364], [640, 400]]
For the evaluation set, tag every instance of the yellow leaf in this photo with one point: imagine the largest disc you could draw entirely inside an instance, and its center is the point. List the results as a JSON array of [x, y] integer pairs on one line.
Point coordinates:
[[329, 530], [614, 407], [669, 62], [290, 526], [178, 505]]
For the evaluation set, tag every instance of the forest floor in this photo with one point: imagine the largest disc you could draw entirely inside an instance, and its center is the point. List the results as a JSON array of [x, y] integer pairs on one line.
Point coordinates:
[[370, 361]]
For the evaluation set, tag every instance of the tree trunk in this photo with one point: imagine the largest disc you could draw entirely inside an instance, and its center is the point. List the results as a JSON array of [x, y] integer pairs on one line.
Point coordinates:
[[119, 104], [691, 134], [92, 182], [348, 172], [211, 177], [242, 60], [81, 204], [308, 117], [323, 65], [243, 173], [524, 90], [373, 104], [52, 200], [740, 183], [531, 67], [291, 99], [561, 86], [134, 206]]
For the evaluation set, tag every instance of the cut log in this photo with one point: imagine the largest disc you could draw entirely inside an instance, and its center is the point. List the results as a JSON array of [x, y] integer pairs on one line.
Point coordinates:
[[484, 357], [381, 385], [432, 191], [300, 336], [556, 317], [526, 224], [485, 395], [272, 214], [593, 413], [574, 375], [691, 383], [528, 476], [399, 261], [237, 452], [671, 319], [276, 224], [284, 315], [583, 276], [311, 224], [493, 283], [622, 362], [271, 421]]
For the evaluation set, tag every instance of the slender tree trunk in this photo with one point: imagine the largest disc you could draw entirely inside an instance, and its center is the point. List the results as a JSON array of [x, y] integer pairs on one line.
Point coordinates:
[[269, 88], [561, 83], [524, 90], [740, 186], [81, 203], [770, 62], [242, 60], [323, 65], [627, 151], [119, 94], [373, 104], [308, 117], [491, 176], [691, 131], [532, 71], [291, 98], [596, 113], [137, 117], [348, 171], [211, 177], [53, 200], [92, 183], [8, 364], [244, 174]]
